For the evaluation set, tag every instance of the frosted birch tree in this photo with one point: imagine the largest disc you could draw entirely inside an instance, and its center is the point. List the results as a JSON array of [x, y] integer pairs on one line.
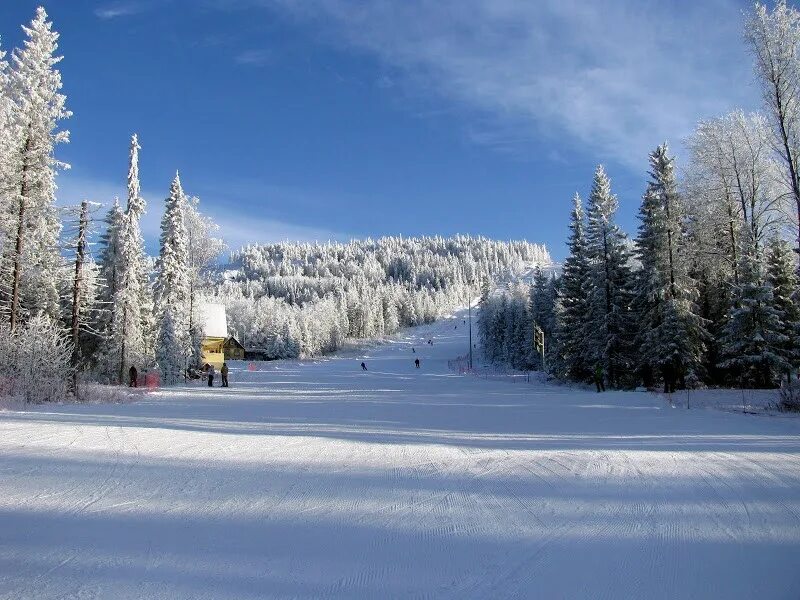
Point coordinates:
[[774, 40], [203, 247]]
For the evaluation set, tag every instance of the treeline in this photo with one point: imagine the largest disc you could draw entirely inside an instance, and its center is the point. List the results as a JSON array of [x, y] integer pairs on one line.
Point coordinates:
[[707, 292], [61, 312], [301, 299]]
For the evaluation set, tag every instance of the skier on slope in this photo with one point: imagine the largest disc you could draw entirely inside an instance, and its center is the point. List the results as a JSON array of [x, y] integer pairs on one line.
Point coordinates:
[[416, 362], [363, 366]]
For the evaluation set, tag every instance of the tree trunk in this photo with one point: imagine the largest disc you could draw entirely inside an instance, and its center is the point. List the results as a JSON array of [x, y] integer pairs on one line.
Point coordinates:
[[80, 251], [788, 154], [122, 342]]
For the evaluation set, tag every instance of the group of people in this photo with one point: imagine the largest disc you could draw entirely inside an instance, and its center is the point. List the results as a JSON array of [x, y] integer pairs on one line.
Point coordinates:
[[208, 369], [413, 351], [211, 371]]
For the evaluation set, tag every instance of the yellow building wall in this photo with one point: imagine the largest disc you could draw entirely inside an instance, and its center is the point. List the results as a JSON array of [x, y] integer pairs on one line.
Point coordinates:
[[213, 353]]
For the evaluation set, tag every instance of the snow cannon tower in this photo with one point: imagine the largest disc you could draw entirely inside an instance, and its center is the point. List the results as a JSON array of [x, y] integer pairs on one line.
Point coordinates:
[[215, 332]]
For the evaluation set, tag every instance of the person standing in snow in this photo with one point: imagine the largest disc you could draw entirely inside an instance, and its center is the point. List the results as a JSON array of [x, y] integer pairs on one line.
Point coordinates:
[[210, 375], [598, 378], [416, 362], [133, 375], [363, 366], [224, 372]]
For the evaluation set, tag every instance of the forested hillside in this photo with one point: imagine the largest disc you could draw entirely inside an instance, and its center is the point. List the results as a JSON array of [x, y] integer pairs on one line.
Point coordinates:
[[304, 299]]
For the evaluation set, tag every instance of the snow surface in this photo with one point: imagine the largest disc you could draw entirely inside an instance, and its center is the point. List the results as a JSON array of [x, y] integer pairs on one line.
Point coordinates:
[[317, 480], [215, 323]]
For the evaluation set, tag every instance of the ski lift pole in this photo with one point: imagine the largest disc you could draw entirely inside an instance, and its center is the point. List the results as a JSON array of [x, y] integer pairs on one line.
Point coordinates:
[[538, 342]]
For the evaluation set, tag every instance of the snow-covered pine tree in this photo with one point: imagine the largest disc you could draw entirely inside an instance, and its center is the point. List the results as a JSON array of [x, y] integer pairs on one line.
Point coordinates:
[[7, 149], [129, 341], [752, 340], [516, 337], [553, 351], [542, 314], [142, 264], [172, 288], [609, 327], [571, 328], [110, 252], [670, 334], [31, 266], [782, 278], [80, 307]]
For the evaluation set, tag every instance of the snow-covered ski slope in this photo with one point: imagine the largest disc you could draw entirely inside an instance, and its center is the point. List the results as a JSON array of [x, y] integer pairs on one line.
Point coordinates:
[[317, 480]]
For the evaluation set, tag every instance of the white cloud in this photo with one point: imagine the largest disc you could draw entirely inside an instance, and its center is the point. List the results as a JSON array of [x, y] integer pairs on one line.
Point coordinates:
[[616, 77], [119, 9], [255, 58]]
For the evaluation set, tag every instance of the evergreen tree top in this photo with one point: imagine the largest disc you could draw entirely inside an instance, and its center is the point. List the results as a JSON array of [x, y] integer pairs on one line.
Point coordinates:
[[136, 204]]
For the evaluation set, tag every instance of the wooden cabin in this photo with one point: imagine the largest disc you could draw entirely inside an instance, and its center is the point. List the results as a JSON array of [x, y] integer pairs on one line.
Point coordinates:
[[215, 332], [232, 349]]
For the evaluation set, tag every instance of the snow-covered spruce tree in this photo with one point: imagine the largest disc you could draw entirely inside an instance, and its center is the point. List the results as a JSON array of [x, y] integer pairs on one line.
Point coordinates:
[[553, 350], [782, 278], [610, 326], [130, 337], [7, 149], [109, 264], [543, 313], [670, 334], [571, 328], [141, 262], [752, 339], [80, 306], [172, 288], [31, 266], [517, 337]]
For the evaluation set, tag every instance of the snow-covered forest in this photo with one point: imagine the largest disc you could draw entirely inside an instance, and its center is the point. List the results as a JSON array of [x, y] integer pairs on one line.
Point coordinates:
[[706, 290], [292, 300]]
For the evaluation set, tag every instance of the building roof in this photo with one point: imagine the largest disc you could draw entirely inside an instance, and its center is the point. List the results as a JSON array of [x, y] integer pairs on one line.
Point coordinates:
[[215, 323], [232, 341]]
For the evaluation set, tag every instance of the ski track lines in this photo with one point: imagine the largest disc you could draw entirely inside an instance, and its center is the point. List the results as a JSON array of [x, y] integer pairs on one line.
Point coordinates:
[[315, 480]]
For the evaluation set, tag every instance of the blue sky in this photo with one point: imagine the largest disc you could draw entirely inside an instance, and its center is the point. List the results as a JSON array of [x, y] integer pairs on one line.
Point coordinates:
[[354, 118]]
